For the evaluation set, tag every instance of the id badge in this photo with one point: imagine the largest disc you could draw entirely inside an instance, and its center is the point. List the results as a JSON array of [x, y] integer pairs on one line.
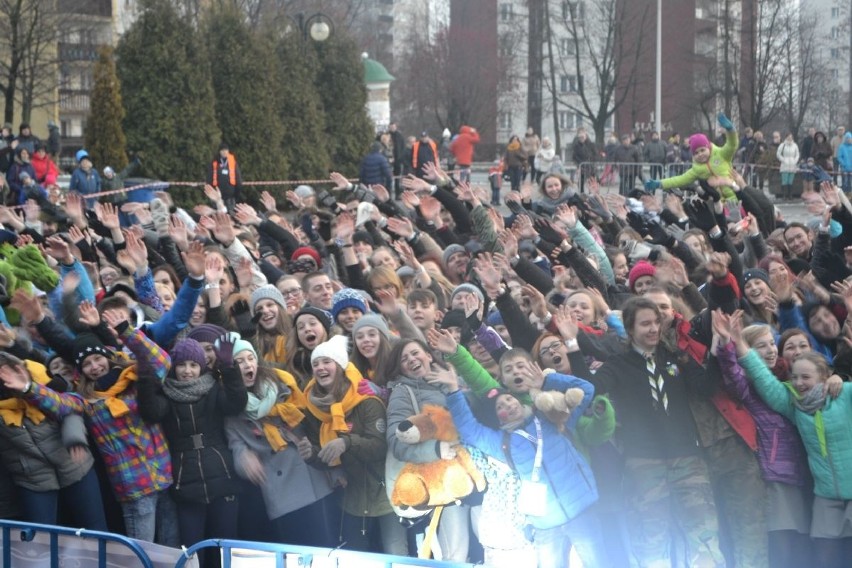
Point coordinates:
[[225, 172], [532, 498]]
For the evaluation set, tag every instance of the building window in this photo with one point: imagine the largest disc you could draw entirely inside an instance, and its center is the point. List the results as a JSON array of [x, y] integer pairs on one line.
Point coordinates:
[[835, 74], [835, 53], [835, 12], [505, 120], [565, 119], [568, 84], [506, 12], [566, 46], [573, 10], [835, 32]]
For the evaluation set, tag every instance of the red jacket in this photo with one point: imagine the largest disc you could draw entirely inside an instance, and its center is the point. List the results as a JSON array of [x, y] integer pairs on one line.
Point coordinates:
[[462, 146], [45, 170]]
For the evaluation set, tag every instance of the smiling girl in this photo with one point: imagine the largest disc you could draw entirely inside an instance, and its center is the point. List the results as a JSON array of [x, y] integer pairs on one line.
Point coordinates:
[[312, 326], [347, 429]]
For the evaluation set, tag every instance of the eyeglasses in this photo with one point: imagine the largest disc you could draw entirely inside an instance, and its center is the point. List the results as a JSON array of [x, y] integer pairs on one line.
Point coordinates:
[[549, 348], [291, 292]]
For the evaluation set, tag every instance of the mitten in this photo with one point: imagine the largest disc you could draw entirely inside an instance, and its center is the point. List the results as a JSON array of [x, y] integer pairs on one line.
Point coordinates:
[[725, 122]]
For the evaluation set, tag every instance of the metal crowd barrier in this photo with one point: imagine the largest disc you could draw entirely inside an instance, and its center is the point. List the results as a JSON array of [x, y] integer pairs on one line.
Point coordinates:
[[239, 553], [46, 552]]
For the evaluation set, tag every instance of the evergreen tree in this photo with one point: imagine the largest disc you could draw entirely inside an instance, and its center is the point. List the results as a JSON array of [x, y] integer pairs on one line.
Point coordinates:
[[245, 80], [168, 96], [340, 83], [105, 140], [303, 139]]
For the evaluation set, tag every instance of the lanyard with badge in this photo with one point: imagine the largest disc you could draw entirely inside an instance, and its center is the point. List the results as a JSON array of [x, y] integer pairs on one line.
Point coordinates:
[[532, 497]]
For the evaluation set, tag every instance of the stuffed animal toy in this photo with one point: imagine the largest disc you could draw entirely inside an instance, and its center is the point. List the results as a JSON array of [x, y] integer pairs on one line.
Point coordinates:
[[556, 405], [708, 160], [24, 267], [440, 482]]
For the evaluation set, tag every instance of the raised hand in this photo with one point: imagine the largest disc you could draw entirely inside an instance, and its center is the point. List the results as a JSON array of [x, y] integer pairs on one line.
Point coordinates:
[[345, 227], [114, 318], [549, 231], [565, 214], [89, 315], [442, 341], [537, 300], [430, 208], [8, 335], [509, 242], [28, 305], [178, 232], [401, 226], [381, 192], [386, 303], [246, 214], [410, 199], [566, 323], [487, 272], [193, 259], [58, 249], [222, 228], [444, 377], [497, 220], [138, 252], [74, 207], [415, 184], [523, 227], [203, 210], [224, 348], [214, 269], [268, 201], [213, 194], [718, 264], [339, 180]]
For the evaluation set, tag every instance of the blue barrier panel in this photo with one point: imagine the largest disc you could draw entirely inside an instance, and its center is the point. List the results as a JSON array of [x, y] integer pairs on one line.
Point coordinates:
[[28, 532], [348, 558]]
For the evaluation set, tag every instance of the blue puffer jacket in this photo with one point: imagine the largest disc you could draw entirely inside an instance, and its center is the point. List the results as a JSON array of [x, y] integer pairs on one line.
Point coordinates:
[[85, 183], [375, 169], [569, 479], [844, 153], [829, 445]]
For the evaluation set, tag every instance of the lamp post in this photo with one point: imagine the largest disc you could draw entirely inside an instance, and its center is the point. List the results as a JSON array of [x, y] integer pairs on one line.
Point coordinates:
[[318, 27], [658, 107]]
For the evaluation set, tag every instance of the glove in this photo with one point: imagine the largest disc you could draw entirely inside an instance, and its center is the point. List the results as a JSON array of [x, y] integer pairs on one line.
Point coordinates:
[[368, 388], [725, 122], [242, 317], [637, 222], [700, 214], [659, 235], [224, 347], [326, 199], [596, 206], [653, 184], [706, 190], [548, 232], [636, 250]]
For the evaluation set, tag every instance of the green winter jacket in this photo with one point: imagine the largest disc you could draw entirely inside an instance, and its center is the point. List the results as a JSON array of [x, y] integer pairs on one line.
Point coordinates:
[[719, 164]]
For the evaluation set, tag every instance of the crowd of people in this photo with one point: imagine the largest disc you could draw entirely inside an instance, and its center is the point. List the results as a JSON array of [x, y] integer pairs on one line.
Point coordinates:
[[234, 371]]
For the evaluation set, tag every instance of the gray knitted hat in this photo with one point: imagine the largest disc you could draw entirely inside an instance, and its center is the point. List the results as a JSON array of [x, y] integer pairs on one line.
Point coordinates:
[[267, 292]]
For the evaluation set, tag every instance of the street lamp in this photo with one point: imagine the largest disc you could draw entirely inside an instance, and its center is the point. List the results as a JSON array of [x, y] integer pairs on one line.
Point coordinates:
[[317, 27]]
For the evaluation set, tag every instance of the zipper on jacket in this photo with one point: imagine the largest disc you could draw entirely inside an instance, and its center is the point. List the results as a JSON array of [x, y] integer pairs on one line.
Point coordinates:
[[224, 464], [774, 450], [198, 454]]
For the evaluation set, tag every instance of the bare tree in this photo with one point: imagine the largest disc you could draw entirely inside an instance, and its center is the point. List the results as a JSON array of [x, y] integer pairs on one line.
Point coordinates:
[[601, 63], [802, 77]]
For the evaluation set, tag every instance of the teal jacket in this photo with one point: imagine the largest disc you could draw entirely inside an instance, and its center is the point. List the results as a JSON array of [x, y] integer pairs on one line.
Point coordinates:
[[827, 434]]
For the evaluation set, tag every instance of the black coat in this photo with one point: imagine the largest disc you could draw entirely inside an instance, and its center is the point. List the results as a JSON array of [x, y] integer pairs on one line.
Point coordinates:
[[202, 464]]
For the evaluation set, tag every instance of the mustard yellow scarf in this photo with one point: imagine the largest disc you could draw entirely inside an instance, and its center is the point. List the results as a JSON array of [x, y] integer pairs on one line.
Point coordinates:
[[289, 411], [334, 421], [117, 407], [13, 410]]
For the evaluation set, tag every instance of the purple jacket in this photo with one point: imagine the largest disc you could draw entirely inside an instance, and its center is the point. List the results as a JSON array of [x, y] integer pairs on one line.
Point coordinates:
[[780, 452]]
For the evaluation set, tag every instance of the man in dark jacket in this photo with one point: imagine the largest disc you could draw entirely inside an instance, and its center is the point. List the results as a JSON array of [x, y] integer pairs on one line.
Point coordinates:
[[26, 139], [398, 146], [224, 174], [655, 155], [54, 140], [630, 158], [375, 168], [584, 153]]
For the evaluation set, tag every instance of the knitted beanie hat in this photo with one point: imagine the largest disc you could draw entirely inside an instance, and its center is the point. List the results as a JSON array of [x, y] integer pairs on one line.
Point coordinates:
[[309, 251], [372, 320], [451, 250], [347, 298], [642, 268], [304, 191], [470, 288], [242, 345], [87, 344], [188, 350], [323, 316], [752, 273], [267, 292], [336, 349], [697, 141], [453, 318], [494, 318], [206, 333]]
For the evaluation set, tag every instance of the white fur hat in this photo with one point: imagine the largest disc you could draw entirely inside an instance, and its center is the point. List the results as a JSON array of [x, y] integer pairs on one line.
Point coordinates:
[[336, 349]]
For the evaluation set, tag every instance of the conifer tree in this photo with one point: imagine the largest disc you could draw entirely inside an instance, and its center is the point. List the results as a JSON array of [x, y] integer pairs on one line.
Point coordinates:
[[340, 83], [168, 96], [303, 137], [105, 140], [246, 79]]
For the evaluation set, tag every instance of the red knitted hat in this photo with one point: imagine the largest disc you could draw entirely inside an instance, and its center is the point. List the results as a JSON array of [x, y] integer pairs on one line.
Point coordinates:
[[642, 268], [309, 251]]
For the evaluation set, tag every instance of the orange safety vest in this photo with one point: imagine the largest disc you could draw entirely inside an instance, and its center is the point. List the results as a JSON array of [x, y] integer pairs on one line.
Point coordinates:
[[232, 171], [416, 149]]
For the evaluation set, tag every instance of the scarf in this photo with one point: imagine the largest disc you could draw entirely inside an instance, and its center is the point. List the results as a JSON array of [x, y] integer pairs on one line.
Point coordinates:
[[332, 413], [278, 354], [188, 391], [117, 407], [513, 146], [280, 400], [13, 410], [812, 403], [512, 426]]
